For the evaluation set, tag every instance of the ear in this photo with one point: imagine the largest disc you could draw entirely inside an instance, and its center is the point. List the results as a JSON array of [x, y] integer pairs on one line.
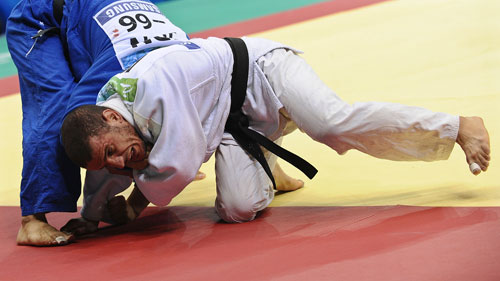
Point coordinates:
[[111, 116]]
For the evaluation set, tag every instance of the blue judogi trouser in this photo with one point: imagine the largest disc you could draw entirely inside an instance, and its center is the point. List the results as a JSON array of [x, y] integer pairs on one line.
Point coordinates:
[[50, 181], [57, 72]]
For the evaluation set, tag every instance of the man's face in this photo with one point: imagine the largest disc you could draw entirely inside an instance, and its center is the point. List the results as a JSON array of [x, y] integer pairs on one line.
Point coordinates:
[[119, 148]]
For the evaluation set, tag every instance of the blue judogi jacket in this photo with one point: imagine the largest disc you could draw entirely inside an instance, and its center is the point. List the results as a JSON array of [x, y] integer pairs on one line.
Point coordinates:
[[65, 68]]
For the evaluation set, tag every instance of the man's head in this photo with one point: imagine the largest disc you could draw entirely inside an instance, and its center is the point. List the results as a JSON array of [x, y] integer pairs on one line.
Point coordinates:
[[96, 137]]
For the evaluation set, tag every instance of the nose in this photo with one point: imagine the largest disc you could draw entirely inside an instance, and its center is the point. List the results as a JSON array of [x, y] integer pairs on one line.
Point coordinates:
[[117, 162]]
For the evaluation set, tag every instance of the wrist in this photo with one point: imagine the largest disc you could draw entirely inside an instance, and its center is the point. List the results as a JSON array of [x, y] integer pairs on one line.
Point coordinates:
[[90, 220]]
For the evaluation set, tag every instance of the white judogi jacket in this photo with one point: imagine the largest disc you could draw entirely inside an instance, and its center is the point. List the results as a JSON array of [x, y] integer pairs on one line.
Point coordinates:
[[178, 98]]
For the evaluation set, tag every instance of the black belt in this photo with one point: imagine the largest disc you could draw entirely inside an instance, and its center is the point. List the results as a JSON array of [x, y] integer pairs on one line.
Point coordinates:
[[237, 122]]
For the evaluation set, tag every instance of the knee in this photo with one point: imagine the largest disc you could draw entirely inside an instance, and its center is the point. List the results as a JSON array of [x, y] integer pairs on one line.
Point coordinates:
[[237, 211]]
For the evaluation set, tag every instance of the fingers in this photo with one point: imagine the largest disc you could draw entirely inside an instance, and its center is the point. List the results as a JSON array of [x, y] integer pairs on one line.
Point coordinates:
[[117, 207], [79, 226], [70, 226], [117, 202]]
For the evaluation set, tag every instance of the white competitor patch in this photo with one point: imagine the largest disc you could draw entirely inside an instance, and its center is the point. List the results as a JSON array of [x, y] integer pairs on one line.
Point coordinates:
[[136, 25]]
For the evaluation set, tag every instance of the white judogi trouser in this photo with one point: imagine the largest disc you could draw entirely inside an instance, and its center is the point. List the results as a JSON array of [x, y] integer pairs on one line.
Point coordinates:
[[383, 130]]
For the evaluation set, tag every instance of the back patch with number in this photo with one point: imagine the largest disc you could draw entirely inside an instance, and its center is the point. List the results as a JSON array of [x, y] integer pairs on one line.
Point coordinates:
[[137, 25]]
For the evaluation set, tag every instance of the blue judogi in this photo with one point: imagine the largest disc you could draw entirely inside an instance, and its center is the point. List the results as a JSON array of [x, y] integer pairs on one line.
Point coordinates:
[[60, 71]]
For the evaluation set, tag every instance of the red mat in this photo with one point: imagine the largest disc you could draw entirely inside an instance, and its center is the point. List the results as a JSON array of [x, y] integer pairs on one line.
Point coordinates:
[[284, 243]]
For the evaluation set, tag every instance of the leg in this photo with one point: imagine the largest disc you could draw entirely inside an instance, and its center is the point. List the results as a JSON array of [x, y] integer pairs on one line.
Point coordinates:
[[50, 182], [384, 130], [243, 188]]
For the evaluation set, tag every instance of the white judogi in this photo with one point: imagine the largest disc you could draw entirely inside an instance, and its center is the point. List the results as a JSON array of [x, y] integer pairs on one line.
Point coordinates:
[[178, 98]]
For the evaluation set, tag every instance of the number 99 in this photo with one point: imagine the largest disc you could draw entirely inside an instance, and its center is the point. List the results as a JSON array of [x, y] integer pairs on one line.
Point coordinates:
[[131, 23]]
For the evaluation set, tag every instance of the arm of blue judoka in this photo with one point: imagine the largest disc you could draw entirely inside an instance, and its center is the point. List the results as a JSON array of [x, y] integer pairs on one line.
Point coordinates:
[[96, 76]]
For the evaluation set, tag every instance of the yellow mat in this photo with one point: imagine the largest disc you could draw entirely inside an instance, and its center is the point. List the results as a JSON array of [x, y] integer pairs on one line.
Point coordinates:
[[442, 55]]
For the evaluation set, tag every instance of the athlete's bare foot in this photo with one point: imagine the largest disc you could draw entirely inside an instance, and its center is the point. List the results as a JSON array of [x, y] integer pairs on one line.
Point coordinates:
[[284, 182], [36, 231], [475, 142]]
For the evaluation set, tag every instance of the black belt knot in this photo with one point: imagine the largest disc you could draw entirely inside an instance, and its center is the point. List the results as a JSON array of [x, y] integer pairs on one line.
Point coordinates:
[[236, 121]]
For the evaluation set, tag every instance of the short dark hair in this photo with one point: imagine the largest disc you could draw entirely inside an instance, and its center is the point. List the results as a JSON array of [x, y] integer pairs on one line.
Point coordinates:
[[77, 128]]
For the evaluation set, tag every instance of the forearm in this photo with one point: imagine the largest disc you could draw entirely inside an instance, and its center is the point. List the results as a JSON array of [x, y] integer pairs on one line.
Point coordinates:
[[137, 201], [100, 187]]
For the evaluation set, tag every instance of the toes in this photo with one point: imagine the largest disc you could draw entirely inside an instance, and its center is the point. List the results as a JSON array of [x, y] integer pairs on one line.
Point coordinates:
[[475, 168], [70, 237], [480, 158], [300, 184], [486, 157], [59, 241], [296, 185], [484, 163], [290, 185], [486, 149]]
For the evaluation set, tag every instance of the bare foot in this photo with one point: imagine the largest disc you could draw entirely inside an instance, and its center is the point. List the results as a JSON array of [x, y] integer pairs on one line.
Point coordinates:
[[35, 231], [475, 142], [284, 182]]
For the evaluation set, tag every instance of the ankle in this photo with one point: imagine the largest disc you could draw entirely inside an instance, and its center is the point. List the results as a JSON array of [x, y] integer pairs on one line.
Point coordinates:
[[35, 217]]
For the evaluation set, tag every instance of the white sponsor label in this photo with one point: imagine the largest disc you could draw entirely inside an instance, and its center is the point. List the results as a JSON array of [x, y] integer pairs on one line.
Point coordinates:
[[136, 25]]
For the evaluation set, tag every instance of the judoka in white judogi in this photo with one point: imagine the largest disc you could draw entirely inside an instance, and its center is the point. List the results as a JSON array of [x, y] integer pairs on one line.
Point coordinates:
[[178, 99]]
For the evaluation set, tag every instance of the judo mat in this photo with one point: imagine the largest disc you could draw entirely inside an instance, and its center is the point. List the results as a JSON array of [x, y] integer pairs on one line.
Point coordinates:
[[360, 218], [284, 243]]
